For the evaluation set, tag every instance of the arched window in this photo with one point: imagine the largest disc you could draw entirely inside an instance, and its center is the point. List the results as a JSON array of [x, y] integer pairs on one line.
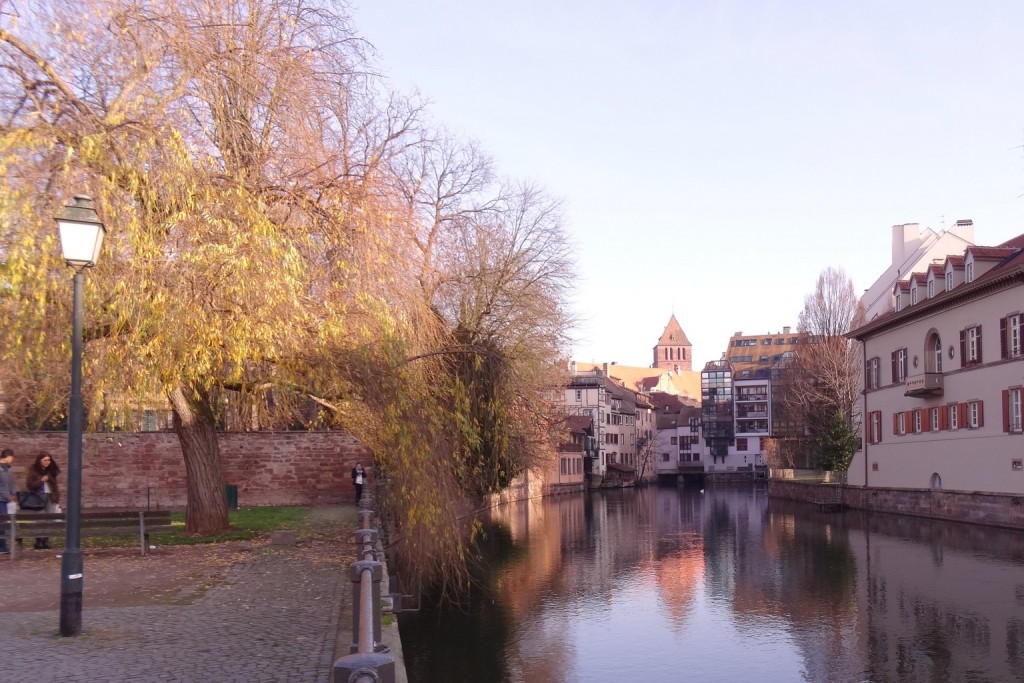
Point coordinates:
[[933, 352], [683, 351], [936, 482]]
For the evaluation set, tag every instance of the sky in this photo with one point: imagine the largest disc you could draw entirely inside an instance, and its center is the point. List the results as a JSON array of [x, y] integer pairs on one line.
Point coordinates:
[[712, 158]]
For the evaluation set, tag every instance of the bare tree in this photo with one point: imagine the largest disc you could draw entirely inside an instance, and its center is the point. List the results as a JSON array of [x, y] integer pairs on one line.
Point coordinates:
[[825, 379]]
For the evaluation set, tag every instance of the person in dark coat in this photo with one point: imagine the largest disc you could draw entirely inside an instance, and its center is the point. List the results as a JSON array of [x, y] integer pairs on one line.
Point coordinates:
[[7, 491], [358, 479], [42, 478]]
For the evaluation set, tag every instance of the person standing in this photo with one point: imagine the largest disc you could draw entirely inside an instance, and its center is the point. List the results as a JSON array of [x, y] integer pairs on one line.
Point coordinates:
[[358, 479], [42, 478], [7, 493]]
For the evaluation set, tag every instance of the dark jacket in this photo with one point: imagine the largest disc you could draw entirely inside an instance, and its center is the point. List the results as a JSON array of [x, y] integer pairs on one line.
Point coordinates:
[[7, 487], [34, 481]]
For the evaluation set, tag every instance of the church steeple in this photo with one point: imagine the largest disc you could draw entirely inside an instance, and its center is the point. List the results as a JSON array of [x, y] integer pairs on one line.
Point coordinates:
[[673, 351]]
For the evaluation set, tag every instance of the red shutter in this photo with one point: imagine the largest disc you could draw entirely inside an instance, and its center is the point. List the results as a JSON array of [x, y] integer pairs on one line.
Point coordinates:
[[1004, 351], [908, 421], [895, 423], [1006, 410], [979, 359], [981, 413], [961, 415], [963, 348], [926, 420], [944, 417]]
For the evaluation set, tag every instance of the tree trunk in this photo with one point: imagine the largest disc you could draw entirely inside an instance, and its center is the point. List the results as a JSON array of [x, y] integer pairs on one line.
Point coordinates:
[[206, 509]]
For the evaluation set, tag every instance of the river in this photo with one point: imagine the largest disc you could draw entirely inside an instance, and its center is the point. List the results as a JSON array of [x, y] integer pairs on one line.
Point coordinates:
[[667, 584]]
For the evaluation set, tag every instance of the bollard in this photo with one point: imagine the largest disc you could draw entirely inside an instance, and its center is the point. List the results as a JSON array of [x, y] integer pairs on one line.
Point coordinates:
[[365, 667], [366, 606]]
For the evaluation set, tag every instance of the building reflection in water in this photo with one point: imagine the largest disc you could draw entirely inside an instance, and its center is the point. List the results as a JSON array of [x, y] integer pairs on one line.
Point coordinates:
[[668, 584]]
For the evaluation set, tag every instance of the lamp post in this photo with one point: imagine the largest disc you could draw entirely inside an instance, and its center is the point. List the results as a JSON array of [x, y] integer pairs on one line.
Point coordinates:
[[81, 236]]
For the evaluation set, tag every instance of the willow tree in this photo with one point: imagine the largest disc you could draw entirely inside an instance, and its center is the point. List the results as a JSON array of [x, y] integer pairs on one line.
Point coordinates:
[[232, 149]]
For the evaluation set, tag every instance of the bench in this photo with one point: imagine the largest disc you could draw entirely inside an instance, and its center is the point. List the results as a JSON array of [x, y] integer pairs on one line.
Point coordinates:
[[114, 523]]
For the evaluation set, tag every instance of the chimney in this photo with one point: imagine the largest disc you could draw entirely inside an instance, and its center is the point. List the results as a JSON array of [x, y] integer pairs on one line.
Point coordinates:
[[905, 239], [785, 330], [964, 229], [572, 368], [605, 366]]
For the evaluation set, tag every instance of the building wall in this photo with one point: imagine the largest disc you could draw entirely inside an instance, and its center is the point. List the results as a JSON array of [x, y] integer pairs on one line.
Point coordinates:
[[134, 470], [965, 459]]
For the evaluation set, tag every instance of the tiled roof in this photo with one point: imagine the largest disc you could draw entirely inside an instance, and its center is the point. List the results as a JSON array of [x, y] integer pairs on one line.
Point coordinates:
[[673, 334], [919, 278], [579, 423], [937, 269], [955, 261], [991, 253]]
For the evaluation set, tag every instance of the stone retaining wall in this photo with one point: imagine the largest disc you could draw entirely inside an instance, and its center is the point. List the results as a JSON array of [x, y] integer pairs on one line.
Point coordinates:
[[994, 509], [138, 470]]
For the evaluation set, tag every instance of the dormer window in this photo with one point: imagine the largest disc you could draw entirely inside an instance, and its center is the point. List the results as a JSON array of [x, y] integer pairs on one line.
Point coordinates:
[[970, 271], [913, 296], [899, 300], [931, 288], [949, 280]]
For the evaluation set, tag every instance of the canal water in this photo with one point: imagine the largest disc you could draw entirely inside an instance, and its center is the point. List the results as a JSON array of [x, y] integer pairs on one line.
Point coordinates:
[[666, 584]]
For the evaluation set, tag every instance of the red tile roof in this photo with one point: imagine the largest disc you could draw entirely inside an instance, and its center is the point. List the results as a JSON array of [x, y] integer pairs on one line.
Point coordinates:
[[991, 253]]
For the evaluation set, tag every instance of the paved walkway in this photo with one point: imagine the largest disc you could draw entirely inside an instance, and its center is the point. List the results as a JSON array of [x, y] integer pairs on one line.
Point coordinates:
[[241, 611]]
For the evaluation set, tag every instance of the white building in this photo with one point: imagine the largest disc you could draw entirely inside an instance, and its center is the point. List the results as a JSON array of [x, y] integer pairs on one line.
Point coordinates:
[[944, 371]]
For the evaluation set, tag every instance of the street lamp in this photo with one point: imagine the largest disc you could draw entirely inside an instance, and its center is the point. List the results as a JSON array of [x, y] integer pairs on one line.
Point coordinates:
[[81, 236]]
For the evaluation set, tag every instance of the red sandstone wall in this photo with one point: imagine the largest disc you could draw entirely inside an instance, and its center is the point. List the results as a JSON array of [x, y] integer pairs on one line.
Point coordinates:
[[136, 470], [994, 509]]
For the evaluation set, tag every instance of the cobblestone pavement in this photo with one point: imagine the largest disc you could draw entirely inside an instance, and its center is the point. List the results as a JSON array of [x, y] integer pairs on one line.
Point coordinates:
[[229, 612]]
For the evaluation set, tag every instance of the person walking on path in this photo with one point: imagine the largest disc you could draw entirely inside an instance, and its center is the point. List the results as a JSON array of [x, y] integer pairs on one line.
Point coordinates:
[[42, 478], [358, 479], [7, 493]]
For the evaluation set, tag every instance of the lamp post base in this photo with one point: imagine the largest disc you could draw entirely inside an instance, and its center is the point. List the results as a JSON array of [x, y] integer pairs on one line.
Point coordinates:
[[71, 592]]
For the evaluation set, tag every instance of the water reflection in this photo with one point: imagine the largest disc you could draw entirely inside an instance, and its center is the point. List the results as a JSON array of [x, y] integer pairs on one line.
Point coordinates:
[[670, 585]]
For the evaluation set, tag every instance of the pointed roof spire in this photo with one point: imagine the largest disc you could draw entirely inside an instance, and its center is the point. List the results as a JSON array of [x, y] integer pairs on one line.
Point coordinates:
[[673, 334]]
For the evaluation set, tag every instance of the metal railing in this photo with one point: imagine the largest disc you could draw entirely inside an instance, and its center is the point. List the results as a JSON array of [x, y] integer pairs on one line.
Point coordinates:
[[368, 660]]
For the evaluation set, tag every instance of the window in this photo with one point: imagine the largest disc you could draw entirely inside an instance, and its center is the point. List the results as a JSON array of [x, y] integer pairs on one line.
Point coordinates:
[[899, 365], [937, 350], [931, 288], [949, 280], [664, 457], [975, 418], [1012, 410], [899, 301], [934, 419], [913, 295], [673, 440], [954, 422], [1010, 336], [741, 444], [970, 271], [764, 359], [875, 427], [872, 379], [780, 341], [901, 423], [970, 346], [917, 421]]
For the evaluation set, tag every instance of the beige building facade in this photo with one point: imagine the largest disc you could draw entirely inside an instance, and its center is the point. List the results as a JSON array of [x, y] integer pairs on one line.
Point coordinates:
[[944, 371]]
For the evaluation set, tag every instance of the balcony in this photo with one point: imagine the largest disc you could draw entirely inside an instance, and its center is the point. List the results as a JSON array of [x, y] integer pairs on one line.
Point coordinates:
[[922, 386]]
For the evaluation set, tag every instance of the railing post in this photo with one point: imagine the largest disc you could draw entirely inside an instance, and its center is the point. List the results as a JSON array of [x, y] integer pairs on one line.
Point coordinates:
[[366, 615]]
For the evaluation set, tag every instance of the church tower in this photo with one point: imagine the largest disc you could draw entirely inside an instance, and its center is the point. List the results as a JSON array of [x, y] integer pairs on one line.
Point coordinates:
[[673, 351]]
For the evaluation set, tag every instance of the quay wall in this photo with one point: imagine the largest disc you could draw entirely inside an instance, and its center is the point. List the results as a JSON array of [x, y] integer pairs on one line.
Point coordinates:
[[992, 509]]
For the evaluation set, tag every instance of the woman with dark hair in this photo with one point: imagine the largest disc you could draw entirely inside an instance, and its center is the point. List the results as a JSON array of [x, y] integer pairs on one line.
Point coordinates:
[[42, 478]]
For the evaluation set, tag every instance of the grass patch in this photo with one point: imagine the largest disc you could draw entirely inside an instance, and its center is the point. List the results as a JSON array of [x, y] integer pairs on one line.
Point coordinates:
[[246, 524]]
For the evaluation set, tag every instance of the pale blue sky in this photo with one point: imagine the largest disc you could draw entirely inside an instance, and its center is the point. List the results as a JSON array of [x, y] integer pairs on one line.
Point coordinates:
[[714, 157]]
